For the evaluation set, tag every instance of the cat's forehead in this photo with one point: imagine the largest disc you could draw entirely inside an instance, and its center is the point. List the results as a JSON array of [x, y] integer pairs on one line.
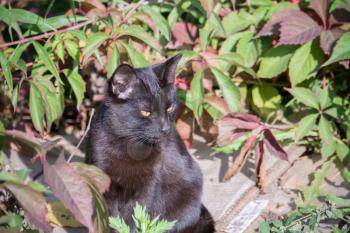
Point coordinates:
[[150, 80]]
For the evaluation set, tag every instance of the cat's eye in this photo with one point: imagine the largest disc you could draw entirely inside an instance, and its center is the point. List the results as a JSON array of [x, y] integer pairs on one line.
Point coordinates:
[[145, 113], [170, 109]]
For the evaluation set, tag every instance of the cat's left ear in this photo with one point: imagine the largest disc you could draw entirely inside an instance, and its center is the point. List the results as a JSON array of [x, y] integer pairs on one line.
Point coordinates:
[[166, 71]]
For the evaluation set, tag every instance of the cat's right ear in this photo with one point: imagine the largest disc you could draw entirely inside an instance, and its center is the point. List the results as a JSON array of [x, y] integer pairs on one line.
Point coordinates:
[[124, 83]]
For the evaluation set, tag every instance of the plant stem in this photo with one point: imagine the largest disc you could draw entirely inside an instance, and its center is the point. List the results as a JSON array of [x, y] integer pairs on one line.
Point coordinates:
[[84, 135], [46, 35]]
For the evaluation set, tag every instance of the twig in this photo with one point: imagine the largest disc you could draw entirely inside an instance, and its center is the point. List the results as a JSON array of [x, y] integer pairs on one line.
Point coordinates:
[[45, 35], [84, 135]]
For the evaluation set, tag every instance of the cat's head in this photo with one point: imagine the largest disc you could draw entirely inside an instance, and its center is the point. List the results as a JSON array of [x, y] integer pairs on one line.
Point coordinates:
[[142, 102]]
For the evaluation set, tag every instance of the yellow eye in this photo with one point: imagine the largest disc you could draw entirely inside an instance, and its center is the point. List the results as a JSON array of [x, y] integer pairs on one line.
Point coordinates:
[[145, 113], [170, 109]]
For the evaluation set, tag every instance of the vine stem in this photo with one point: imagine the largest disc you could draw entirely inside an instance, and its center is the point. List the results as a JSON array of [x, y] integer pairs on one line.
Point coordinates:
[[83, 137], [46, 35]]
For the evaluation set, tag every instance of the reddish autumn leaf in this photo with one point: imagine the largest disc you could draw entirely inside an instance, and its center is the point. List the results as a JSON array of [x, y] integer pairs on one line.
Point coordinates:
[[273, 146], [33, 203], [185, 33], [71, 189], [184, 127], [321, 8], [328, 39], [211, 59], [241, 159], [230, 136], [273, 25], [240, 121], [260, 165], [217, 102], [94, 174], [90, 4], [298, 28]]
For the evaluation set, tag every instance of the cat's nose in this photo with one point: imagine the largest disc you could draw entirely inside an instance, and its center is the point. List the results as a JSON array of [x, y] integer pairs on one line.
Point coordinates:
[[165, 128]]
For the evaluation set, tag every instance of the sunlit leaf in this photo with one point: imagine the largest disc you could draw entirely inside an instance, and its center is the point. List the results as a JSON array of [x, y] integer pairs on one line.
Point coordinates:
[[341, 50], [230, 91], [306, 124], [93, 42], [159, 20], [197, 94], [275, 61], [305, 96], [136, 57], [305, 62], [113, 60], [325, 130], [321, 8], [273, 146]]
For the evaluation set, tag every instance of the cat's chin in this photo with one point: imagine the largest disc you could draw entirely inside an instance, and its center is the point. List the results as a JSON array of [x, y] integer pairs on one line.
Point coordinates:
[[141, 150]]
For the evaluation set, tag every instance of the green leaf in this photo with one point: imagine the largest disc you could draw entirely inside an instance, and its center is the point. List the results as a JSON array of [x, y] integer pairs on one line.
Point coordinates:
[[139, 33], [345, 172], [230, 91], [343, 151], [265, 99], [59, 50], [72, 49], [325, 130], [118, 224], [38, 187], [159, 21], [197, 93], [44, 56], [136, 57], [25, 16], [93, 42], [10, 177], [341, 50], [36, 107], [246, 47], [306, 124], [9, 19], [6, 71], [231, 41], [275, 61], [77, 83], [16, 55], [204, 37], [325, 100], [113, 61], [234, 22], [328, 149], [305, 62], [305, 96], [264, 227]]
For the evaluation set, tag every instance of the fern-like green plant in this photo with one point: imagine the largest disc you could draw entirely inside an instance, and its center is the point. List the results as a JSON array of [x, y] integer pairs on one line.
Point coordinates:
[[143, 222]]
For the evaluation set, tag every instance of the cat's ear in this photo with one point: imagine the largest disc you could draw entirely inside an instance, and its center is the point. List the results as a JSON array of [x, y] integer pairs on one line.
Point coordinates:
[[166, 71], [124, 83]]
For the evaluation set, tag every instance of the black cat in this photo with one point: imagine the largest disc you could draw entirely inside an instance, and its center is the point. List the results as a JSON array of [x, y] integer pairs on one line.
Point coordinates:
[[134, 140]]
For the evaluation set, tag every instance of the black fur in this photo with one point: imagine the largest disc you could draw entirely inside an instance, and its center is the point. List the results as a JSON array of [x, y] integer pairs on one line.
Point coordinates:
[[144, 156]]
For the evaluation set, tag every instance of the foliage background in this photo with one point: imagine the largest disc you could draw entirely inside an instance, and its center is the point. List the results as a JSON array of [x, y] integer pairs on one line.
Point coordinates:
[[266, 70]]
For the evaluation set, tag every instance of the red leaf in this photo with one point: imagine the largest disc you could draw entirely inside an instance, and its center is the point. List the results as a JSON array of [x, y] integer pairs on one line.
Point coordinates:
[[184, 127], [71, 189], [229, 137], [33, 203], [94, 4], [94, 174], [272, 26], [321, 8], [328, 39], [185, 33], [217, 102], [241, 159], [298, 28], [259, 164], [240, 121], [273, 146]]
